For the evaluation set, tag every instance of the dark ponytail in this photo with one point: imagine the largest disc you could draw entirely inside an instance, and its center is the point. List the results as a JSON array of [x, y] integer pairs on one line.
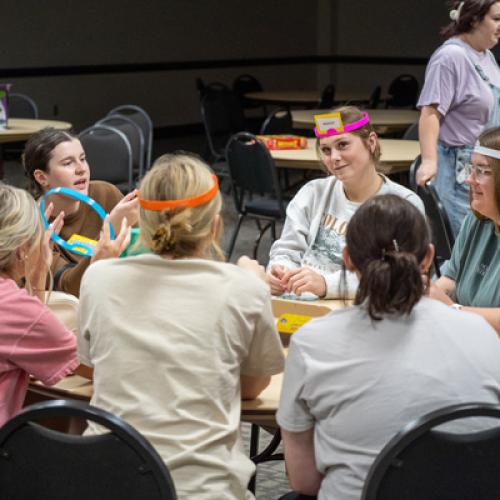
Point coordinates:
[[387, 239]]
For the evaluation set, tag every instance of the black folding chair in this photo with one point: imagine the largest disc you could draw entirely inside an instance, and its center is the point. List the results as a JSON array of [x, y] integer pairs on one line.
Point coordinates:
[[411, 133], [279, 121], [403, 92], [37, 463], [327, 99], [374, 100], [412, 173], [222, 116], [255, 186], [423, 462], [244, 84], [442, 234]]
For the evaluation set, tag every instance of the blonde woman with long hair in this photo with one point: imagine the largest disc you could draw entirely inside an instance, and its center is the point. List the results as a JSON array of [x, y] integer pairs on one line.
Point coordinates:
[[177, 338], [32, 340]]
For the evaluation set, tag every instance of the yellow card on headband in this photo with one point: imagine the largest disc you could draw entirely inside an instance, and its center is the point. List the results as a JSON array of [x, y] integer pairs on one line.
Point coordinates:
[[328, 121]]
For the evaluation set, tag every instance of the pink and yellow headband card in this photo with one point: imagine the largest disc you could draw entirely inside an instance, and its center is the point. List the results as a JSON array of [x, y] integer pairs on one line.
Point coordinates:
[[331, 124]]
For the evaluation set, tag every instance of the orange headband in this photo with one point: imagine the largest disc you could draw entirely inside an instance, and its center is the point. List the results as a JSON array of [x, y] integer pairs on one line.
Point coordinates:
[[190, 202]]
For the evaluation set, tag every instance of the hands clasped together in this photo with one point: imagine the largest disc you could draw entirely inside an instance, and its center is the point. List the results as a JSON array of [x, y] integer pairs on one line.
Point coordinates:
[[282, 280]]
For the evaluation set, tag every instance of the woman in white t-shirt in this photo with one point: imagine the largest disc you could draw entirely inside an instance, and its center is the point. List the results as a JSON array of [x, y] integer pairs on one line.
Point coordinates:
[[356, 377], [177, 338], [308, 256]]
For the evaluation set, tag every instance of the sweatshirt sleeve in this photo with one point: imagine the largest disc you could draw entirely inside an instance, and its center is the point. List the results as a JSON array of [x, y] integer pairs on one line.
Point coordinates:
[[338, 287], [294, 241]]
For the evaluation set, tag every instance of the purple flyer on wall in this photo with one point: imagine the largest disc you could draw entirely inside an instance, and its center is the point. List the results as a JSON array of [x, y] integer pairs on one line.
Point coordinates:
[[4, 104]]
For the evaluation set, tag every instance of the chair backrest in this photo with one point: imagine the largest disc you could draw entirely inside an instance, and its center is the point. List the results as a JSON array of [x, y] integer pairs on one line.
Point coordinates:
[[134, 135], [252, 169], [243, 84], [22, 106], [423, 463], [200, 85], [279, 121], [403, 91], [222, 116], [109, 155], [412, 173], [327, 97], [442, 234], [411, 133], [43, 464], [374, 100], [142, 118]]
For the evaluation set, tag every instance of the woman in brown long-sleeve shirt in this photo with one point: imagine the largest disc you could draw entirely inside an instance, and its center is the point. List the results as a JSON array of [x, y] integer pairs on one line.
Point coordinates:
[[54, 158]]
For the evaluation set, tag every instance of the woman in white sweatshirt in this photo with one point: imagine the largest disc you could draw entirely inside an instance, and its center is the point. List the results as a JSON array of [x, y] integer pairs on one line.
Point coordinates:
[[308, 256]]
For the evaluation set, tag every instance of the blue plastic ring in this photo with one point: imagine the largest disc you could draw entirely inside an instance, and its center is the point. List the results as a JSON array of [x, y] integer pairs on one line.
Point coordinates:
[[77, 246]]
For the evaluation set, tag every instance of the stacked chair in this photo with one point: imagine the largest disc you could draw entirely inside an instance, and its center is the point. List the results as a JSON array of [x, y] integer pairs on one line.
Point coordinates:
[[119, 146], [22, 106], [109, 155], [143, 120]]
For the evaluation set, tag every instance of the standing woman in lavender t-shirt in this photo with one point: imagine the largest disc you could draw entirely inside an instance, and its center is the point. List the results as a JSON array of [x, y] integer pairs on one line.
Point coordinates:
[[459, 100]]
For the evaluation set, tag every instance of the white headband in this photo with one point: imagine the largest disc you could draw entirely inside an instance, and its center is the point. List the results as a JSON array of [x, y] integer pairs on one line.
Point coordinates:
[[493, 153], [455, 13]]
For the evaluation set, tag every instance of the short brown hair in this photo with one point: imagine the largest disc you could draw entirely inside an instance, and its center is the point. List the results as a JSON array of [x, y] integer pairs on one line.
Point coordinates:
[[472, 11]]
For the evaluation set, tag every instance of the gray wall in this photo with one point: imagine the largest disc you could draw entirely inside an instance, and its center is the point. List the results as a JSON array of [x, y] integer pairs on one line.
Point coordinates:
[[60, 33], [37, 33]]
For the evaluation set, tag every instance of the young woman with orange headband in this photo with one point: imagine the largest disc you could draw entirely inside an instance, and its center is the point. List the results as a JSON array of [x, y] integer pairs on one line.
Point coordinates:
[[177, 338]]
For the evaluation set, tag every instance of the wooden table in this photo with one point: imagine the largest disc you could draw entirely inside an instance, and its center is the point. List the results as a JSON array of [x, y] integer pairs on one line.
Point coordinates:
[[260, 410], [21, 129], [304, 97], [397, 156], [383, 120]]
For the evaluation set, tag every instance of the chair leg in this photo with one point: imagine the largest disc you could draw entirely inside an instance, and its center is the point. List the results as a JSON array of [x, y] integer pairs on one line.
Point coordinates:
[[437, 271], [234, 236], [254, 450], [259, 238], [273, 230]]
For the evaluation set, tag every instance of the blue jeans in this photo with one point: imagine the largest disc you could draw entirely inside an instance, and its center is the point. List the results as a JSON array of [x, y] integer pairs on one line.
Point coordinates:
[[450, 182]]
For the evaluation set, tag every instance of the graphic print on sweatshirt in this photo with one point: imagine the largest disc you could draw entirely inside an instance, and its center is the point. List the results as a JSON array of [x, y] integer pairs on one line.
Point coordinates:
[[326, 252]]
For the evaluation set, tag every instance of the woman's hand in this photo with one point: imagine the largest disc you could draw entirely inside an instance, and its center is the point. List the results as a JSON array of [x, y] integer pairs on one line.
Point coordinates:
[[127, 207], [107, 248], [437, 293], [253, 266], [41, 259], [426, 172], [303, 280], [274, 278]]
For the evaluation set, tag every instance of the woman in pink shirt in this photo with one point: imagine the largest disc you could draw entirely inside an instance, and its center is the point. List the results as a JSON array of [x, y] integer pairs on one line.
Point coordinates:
[[32, 340]]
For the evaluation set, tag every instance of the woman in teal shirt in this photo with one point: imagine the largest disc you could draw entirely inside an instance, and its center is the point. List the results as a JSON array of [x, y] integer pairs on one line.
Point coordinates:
[[471, 278]]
